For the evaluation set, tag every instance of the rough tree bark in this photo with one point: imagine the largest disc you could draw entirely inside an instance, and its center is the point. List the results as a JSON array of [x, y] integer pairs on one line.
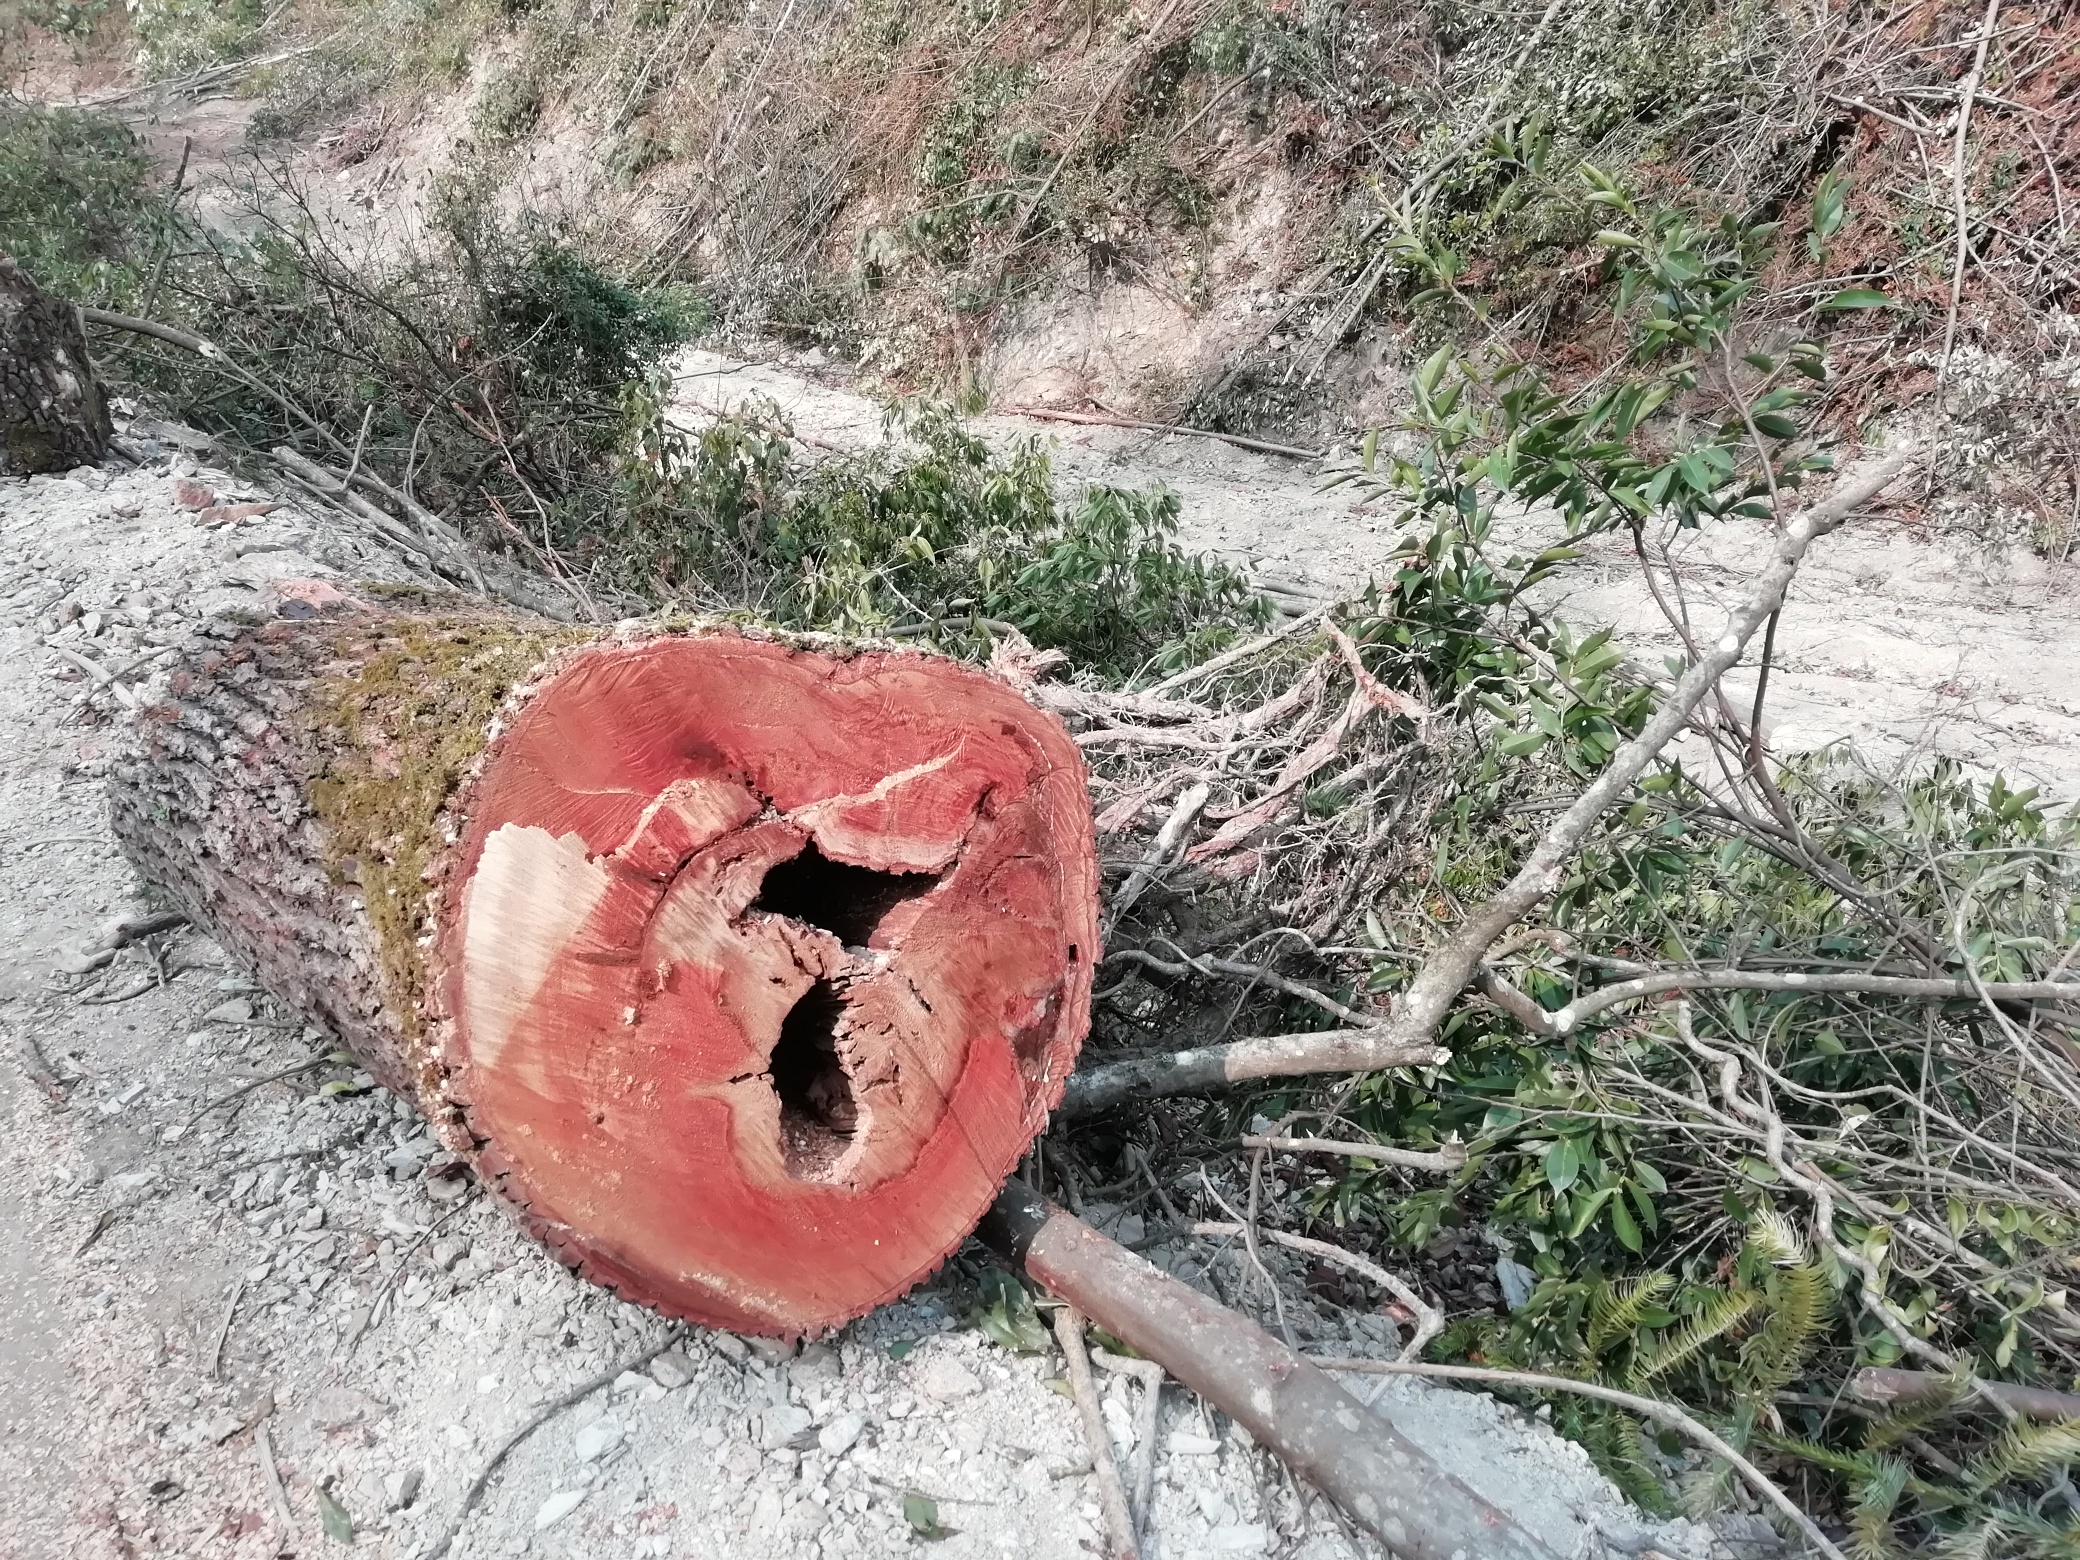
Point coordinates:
[[743, 967], [51, 413]]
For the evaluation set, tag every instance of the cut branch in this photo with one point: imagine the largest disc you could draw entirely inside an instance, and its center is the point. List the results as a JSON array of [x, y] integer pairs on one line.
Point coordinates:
[[1885, 1385], [1409, 1030]]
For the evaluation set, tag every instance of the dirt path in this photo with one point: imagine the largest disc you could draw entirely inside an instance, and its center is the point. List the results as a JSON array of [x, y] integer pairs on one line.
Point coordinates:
[[196, 1303], [1897, 643]]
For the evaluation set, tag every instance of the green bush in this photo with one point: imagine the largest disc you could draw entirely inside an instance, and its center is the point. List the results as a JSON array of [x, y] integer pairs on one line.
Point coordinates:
[[924, 535], [76, 210]]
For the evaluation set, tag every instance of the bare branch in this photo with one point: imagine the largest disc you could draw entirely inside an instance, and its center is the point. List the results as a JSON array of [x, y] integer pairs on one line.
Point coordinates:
[[1068, 1332], [1408, 1032], [1429, 1320], [1449, 1158], [1561, 1020]]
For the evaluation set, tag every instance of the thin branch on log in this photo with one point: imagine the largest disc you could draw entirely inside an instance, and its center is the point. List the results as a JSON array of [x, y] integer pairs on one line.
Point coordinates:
[[1649, 1408], [1429, 1320], [1112, 1495], [1447, 972], [534, 1422], [1447, 1159], [1390, 1486]]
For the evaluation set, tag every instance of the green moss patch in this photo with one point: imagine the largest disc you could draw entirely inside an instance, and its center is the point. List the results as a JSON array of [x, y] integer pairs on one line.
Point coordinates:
[[395, 735]]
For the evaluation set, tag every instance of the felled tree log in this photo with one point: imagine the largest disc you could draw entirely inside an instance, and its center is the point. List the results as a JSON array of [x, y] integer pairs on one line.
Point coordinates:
[[51, 413], [744, 968]]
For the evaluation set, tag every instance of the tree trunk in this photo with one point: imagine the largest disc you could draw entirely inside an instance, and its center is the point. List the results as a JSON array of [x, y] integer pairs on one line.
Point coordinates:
[[743, 967], [51, 414]]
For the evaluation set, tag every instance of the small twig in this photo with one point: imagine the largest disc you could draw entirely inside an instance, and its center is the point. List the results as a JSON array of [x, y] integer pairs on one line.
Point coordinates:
[[276, 1495], [1151, 1375], [1959, 214], [307, 1065], [534, 1422], [1118, 420], [1563, 1020], [1235, 969], [1447, 1159], [1429, 1320], [1871, 1287], [216, 1351], [1119, 1520], [375, 1306], [1650, 1408], [1182, 816], [360, 443], [165, 244], [1127, 67], [101, 1226]]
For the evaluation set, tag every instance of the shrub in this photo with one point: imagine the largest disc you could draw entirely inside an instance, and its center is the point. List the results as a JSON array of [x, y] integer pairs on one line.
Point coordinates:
[[74, 202], [924, 535]]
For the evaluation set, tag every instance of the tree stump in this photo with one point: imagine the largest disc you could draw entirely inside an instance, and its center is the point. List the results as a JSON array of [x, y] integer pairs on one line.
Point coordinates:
[[51, 413], [743, 967]]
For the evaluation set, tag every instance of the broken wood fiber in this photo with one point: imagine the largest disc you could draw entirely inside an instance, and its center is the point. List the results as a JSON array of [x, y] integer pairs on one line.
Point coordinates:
[[744, 967]]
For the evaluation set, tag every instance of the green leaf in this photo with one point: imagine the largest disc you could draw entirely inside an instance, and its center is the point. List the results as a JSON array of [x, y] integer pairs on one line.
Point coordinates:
[[1623, 1227], [1562, 1164], [1007, 1315], [339, 1527], [1520, 743], [1776, 425], [1858, 298], [1586, 1209], [922, 1513]]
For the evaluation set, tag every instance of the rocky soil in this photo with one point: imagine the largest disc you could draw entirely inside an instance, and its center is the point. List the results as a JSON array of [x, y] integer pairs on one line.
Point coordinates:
[[248, 1311]]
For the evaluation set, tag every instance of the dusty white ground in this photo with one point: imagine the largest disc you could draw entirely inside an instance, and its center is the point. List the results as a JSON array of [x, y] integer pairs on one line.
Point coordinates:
[[189, 1312], [1899, 642]]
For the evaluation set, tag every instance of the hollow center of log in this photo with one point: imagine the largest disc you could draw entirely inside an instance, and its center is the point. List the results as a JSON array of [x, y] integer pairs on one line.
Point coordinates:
[[818, 1114], [764, 966], [848, 902]]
